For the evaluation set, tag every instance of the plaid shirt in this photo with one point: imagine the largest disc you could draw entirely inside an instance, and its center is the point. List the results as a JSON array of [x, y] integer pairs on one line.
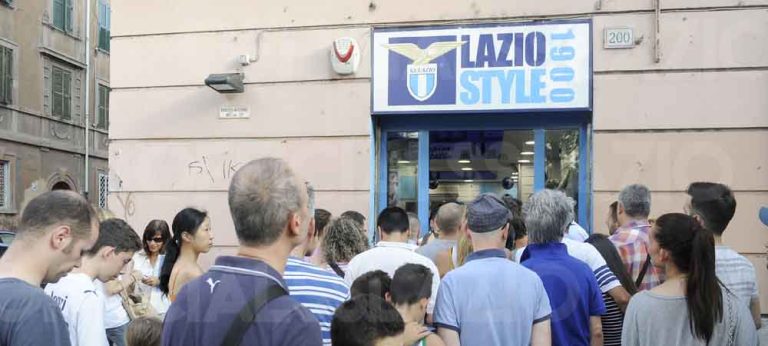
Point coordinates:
[[631, 240]]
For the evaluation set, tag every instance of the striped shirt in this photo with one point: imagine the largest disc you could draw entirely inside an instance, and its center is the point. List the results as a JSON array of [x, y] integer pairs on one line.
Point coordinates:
[[737, 273], [613, 321], [318, 290]]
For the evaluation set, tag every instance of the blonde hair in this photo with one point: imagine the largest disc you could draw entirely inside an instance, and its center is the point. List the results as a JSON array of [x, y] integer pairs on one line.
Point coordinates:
[[464, 247]]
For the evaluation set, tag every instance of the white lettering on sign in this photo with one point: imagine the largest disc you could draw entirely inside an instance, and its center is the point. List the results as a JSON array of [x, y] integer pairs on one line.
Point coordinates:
[[618, 38], [234, 112]]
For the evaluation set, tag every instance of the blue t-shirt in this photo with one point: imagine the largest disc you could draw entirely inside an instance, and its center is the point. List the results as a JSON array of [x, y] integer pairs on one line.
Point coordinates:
[[318, 290], [29, 317], [205, 308], [491, 300], [572, 289]]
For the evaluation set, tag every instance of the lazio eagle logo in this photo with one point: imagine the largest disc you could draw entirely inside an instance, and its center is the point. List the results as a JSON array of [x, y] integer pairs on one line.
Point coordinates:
[[421, 77]]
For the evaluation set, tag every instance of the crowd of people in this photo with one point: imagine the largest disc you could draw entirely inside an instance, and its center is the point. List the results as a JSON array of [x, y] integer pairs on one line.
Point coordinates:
[[493, 271]]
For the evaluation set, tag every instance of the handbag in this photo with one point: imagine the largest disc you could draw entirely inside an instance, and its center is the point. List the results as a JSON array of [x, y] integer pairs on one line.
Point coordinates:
[[136, 305]]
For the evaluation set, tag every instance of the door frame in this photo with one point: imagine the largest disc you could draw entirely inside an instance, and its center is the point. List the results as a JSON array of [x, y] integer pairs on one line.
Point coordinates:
[[424, 123]]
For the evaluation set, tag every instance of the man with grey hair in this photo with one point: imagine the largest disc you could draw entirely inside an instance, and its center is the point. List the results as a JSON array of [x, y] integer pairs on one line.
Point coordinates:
[[448, 223], [491, 300], [319, 290], [574, 295], [631, 238], [269, 207]]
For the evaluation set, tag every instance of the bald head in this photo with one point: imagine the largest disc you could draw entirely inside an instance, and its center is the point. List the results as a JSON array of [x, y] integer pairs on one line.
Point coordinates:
[[263, 195], [449, 217], [57, 208]]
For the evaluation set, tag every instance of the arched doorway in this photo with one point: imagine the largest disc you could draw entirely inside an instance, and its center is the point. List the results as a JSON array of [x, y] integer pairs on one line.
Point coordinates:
[[61, 186]]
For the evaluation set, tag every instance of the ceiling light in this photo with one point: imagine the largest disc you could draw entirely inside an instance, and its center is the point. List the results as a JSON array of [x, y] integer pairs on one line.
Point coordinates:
[[469, 181], [465, 161], [527, 153], [523, 161], [226, 82], [466, 168], [403, 161], [530, 142], [515, 173]]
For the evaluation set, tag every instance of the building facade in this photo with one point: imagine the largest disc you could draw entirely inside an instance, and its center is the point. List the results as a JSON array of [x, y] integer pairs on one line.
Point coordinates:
[[45, 68], [682, 100]]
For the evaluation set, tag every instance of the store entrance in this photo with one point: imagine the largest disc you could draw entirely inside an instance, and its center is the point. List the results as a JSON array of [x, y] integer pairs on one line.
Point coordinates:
[[425, 168]]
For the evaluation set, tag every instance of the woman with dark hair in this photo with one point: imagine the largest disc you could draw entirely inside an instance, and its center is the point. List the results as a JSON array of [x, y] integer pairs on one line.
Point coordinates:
[[149, 262], [613, 319], [691, 307], [612, 219], [191, 237]]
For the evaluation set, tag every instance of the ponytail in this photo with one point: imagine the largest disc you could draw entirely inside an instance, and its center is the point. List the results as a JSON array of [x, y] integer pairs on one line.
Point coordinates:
[[702, 289], [693, 253], [172, 250], [187, 220]]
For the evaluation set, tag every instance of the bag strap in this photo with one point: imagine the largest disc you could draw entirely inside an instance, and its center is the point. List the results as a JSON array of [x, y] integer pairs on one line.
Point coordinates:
[[336, 269], [247, 315], [643, 271]]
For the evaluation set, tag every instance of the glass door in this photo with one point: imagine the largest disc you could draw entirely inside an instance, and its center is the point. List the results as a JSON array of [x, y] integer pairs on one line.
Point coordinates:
[[432, 160]]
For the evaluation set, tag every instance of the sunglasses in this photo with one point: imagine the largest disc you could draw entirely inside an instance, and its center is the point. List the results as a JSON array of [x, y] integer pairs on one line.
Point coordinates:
[[159, 240]]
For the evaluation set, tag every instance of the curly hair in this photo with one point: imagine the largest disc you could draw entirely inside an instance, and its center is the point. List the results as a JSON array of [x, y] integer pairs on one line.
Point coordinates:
[[343, 240]]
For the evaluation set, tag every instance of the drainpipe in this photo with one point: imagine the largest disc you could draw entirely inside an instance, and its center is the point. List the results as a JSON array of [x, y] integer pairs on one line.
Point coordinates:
[[87, 95]]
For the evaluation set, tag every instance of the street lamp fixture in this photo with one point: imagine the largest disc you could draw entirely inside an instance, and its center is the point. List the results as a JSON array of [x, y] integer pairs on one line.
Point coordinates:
[[226, 83]]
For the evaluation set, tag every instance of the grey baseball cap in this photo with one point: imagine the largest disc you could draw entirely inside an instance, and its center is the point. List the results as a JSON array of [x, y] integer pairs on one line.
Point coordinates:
[[487, 213]]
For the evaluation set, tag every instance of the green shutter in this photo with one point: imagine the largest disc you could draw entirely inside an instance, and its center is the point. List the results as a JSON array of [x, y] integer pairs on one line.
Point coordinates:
[[106, 108], [6, 75], [59, 17], [69, 14], [102, 122], [66, 95], [56, 91]]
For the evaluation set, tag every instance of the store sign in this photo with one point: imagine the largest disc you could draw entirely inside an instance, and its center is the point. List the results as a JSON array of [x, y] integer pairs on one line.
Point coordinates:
[[483, 68]]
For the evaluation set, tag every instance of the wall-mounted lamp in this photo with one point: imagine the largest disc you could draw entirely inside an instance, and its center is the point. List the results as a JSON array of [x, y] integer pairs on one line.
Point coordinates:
[[226, 83]]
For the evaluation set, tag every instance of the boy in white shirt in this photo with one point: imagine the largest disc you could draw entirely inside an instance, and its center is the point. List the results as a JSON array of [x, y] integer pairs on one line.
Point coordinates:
[[78, 296]]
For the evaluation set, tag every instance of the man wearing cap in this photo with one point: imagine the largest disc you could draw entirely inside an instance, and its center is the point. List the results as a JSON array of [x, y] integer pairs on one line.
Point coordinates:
[[574, 295], [491, 300]]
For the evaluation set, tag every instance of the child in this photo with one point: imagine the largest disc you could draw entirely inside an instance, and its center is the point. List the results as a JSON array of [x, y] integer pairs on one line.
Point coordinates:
[[79, 297], [144, 331], [366, 320], [410, 292], [375, 282]]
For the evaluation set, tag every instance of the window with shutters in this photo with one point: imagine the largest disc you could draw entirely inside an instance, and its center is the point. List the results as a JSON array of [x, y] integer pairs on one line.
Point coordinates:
[[5, 185], [62, 14], [104, 25], [102, 116], [6, 75], [103, 190], [61, 90]]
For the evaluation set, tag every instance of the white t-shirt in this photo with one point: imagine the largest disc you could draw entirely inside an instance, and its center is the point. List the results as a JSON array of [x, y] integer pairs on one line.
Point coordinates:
[[588, 254], [114, 312], [82, 305], [388, 257]]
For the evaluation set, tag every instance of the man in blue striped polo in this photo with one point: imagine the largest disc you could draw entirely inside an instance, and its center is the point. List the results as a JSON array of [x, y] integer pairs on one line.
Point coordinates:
[[318, 290]]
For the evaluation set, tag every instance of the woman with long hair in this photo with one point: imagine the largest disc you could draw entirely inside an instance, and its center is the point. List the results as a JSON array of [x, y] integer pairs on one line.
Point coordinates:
[[691, 307], [149, 262], [343, 240], [613, 320], [191, 237]]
